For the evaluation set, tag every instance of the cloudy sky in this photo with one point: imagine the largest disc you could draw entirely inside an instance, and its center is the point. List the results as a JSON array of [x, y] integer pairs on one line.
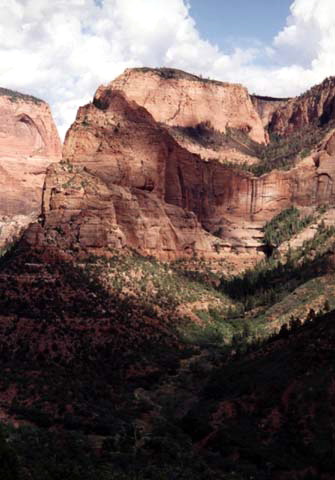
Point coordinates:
[[62, 50]]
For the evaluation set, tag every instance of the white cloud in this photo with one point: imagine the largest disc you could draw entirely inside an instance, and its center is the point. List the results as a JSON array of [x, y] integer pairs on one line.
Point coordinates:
[[63, 50]]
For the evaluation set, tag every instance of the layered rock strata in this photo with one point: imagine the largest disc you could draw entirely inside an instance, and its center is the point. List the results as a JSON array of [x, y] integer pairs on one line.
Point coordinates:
[[161, 198], [118, 141], [83, 214]]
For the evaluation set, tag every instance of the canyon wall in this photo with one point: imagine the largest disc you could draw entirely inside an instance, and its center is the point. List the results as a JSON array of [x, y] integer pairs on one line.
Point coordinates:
[[147, 173], [29, 142], [126, 182], [315, 108], [267, 106]]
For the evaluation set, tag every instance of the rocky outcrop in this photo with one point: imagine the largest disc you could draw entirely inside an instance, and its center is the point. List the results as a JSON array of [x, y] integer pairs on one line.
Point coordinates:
[[29, 142], [315, 107], [177, 98], [111, 189], [120, 142]]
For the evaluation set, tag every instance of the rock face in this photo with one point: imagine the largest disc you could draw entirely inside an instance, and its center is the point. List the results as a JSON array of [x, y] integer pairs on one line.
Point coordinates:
[[119, 142], [115, 189], [177, 98], [267, 106], [315, 107], [82, 213], [29, 142]]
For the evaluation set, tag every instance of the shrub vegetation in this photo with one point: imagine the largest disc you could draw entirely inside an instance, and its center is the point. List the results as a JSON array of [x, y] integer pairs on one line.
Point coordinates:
[[284, 225]]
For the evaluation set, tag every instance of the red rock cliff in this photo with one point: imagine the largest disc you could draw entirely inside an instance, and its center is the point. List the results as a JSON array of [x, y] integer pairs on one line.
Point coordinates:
[[267, 106], [315, 107], [126, 181], [29, 142]]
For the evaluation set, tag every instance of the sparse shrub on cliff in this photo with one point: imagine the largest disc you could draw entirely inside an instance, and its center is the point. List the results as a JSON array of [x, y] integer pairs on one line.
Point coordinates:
[[282, 151], [284, 225], [67, 166], [209, 137], [15, 96], [175, 74], [305, 152], [272, 278]]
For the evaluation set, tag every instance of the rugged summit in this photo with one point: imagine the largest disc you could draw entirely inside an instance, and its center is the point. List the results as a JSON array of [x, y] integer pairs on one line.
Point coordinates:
[[112, 186], [177, 98], [315, 107], [166, 199], [154, 184], [29, 142]]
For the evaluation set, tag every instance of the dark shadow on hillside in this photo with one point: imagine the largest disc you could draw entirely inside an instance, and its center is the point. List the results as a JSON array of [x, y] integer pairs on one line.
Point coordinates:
[[68, 345], [269, 413], [271, 280]]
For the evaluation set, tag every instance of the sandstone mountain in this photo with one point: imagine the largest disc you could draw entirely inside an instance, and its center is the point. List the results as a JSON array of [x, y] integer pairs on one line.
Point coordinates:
[[29, 142], [125, 180], [136, 169], [315, 107], [146, 141]]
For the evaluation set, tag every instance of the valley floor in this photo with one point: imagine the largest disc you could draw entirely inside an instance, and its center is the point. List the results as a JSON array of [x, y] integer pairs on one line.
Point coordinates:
[[123, 367]]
